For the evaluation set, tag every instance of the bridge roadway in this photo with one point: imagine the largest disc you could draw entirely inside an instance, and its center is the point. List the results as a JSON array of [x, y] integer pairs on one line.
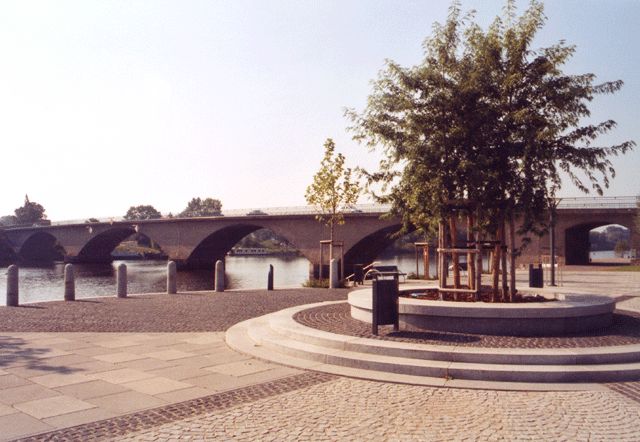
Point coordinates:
[[199, 242]]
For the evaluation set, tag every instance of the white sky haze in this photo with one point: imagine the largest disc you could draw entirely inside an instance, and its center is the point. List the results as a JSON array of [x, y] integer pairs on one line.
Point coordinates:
[[108, 104]]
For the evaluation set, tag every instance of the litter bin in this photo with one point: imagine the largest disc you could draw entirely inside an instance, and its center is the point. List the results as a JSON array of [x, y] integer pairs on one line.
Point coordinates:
[[358, 273], [384, 304], [536, 276]]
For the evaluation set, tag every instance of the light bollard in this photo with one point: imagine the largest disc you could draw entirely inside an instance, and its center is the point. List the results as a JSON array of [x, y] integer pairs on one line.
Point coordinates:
[[172, 283], [270, 278], [121, 281], [12, 286], [219, 276], [69, 283], [333, 274]]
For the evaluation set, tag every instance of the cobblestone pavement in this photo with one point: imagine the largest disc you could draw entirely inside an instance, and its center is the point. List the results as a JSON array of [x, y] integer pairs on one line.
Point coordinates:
[[348, 409], [158, 313], [122, 425], [306, 406], [336, 318]]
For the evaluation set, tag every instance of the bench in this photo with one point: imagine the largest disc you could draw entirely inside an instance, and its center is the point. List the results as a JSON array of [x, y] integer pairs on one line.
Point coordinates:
[[386, 271]]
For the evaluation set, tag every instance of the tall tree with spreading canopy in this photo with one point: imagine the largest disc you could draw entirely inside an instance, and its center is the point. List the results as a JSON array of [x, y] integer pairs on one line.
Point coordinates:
[[30, 212], [488, 121], [333, 190], [202, 207], [142, 212]]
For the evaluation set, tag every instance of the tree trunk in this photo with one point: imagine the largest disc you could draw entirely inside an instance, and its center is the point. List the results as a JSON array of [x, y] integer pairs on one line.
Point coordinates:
[[425, 261], [479, 266], [471, 265], [453, 233], [331, 243], [512, 255], [442, 272], [495, 267], [503, 260]]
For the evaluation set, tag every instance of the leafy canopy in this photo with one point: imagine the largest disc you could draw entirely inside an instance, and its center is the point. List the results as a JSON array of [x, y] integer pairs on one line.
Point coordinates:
[[29, 213], [486, 119], [199, 207], [142, 212], [333, 188]]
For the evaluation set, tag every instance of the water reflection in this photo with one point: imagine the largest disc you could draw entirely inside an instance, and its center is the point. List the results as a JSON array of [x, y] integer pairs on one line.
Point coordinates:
[[243, 272]]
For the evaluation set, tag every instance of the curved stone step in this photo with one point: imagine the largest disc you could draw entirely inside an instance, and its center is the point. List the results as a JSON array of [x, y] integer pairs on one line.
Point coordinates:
[[283, 323], [278, 338], [443, 369]]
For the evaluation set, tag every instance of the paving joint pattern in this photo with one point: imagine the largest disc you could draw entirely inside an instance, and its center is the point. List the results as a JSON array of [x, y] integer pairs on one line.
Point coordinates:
[[336, 318], [122, 425], [630, 390]]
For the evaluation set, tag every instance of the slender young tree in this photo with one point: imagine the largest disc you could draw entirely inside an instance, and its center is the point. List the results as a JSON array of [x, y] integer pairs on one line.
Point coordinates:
[[487, 120], [333, 190]]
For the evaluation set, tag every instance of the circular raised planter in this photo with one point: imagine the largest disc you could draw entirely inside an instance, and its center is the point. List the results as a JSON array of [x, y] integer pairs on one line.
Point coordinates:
[[568, 314]]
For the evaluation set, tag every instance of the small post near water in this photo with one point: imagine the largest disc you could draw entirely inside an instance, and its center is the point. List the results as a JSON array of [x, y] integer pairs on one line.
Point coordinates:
[[12, 286], [219, 282], [270, 278], [69, 283], [121, 280], [172, 286]]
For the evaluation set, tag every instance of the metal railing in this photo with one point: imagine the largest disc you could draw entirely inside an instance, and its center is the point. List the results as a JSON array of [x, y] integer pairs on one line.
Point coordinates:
[[599, 202], [602, 202]]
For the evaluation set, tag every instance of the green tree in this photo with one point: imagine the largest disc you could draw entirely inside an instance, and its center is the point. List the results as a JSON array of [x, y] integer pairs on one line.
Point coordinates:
[[333, 190], [202, 207], [30, 212], [621, 247], [142, 212], [487, 120], [8, 220]]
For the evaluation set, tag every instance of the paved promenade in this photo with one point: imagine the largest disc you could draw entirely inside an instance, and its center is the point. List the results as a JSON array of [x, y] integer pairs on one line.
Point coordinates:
[[156, 368]]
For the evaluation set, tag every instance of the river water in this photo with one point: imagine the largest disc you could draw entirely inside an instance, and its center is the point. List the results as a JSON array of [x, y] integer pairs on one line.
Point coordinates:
[[243, 272]]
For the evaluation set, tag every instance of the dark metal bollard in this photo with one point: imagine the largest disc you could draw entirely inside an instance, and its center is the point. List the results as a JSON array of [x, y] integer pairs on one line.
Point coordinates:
[[13, 288], [121, 280], [270, 278], [172, 283], [69, 283]]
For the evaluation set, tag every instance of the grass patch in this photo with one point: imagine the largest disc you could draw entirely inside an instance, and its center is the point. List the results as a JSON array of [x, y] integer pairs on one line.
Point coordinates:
[[631, 268]]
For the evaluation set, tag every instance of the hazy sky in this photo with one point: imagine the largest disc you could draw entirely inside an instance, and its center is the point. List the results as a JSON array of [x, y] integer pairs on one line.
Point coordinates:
[[108, 104]]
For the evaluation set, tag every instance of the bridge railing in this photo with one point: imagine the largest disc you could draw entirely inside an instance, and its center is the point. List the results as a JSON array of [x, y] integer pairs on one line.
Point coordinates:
[[605, 202]]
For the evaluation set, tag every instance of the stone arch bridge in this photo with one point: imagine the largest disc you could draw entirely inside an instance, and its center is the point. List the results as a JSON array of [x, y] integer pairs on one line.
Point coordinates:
[[199, 242]]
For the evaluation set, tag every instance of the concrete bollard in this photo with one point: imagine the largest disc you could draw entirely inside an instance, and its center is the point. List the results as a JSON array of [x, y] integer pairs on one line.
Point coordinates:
[[172, 280], [12, 286], [219, 276], [270, 278], [333, 274], [69, 283], [121, 280]]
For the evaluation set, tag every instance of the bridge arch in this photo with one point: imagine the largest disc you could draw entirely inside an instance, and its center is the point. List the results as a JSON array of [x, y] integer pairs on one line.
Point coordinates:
[[98, 249], [368, 248], [40, 247], [576, 240], [216, 245]]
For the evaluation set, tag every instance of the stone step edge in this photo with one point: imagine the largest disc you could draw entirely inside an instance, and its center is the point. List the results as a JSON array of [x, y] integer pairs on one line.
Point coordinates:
[[283, 322], [238, 339], [445, 369]]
